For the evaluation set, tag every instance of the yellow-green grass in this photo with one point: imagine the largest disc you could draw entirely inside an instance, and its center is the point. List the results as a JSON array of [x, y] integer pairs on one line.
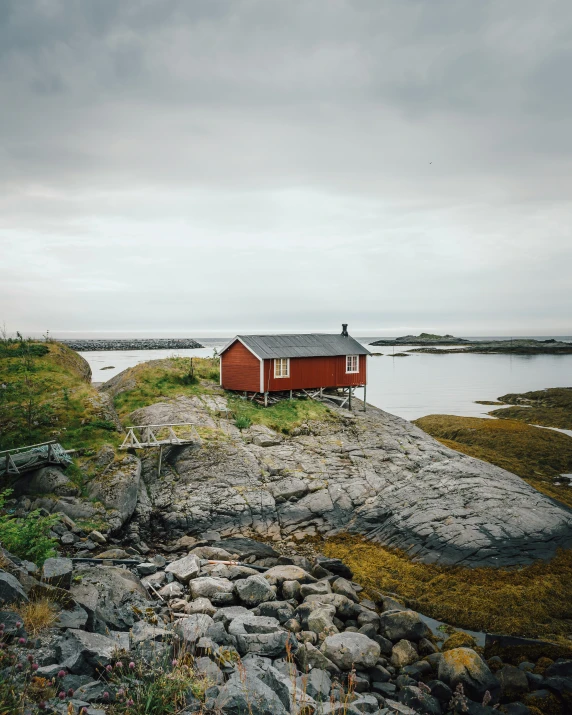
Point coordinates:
[[157, 380], [550, 408], [49, 396], [537, 455], [534, 601], [284, 416]]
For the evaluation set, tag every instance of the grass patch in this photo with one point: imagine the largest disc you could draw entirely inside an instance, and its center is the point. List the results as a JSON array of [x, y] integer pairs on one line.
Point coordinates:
[[145, 384], [537, 455], [38, 615], [47, 394], [550, 408], [534, 601], [282, 417]]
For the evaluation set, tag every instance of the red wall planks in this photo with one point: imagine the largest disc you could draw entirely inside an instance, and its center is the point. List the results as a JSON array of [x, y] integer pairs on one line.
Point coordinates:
[[314, 372], [240, 369]]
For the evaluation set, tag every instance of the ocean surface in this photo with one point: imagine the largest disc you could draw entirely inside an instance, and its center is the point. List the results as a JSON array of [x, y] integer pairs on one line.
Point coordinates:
[[410, 387]]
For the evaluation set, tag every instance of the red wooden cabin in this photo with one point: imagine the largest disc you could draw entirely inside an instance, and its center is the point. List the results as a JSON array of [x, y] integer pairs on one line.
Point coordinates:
[[276, 363]]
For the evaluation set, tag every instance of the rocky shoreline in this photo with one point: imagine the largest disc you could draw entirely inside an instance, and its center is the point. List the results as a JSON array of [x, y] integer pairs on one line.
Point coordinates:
[[442, 345], [86, 345], [244, 629]]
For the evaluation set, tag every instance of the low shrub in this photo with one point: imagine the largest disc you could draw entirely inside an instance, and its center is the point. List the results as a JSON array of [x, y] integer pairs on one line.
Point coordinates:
[[27, 537], [242, 422]]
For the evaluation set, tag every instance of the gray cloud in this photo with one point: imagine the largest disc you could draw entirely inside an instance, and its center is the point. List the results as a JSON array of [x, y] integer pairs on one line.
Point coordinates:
[[249, 164]]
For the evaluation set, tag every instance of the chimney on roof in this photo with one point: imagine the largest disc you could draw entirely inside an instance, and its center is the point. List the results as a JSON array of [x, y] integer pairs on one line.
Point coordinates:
[[345, 330]]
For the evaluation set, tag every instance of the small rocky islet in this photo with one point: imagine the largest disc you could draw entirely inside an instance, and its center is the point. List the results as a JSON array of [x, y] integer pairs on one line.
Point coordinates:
[[281, 626], [443, 344]]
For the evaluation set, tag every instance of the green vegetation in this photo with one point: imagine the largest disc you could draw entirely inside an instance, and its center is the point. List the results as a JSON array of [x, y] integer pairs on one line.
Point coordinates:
[[27, 537], [159, 688], [45, 393], [149, 382], [537, 455], [550, 408], [242, 422], [281, 417], [534, 601]]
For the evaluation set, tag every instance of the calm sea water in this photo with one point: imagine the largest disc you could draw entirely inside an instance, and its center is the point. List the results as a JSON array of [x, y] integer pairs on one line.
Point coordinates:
[[410, 387]]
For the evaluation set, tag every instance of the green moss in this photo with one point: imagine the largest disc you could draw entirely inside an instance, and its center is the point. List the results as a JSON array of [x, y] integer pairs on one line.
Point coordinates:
[[550, 408], [537, 455], [48, 395], [150, 382], [533, 601], [282, 417]]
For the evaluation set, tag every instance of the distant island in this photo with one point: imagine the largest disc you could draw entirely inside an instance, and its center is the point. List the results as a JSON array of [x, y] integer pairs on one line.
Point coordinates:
[[431, 343]]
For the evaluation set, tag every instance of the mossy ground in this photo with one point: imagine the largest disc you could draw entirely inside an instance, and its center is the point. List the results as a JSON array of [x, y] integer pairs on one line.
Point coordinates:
[[534, 601], [283, 416], [147, 383], [47, 395], [550, 408], [157, 380], [537, 455]]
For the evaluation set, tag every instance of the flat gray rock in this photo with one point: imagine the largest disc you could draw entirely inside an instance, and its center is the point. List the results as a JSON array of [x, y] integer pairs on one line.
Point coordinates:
[[369, 473]]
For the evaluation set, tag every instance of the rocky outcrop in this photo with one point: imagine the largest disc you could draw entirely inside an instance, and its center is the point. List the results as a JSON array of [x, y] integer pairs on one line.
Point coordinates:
[[370, 473], [117, 487]]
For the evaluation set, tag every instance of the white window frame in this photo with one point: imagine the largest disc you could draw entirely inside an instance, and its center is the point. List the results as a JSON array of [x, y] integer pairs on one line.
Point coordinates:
[[280, 362], [348, 364]]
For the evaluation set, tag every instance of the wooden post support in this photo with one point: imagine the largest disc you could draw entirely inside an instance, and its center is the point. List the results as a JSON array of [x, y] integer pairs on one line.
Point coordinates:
[[160, 460], [321, 391], [350, 400], [49, 453], [265, 399], [364, 398], [290, 394]]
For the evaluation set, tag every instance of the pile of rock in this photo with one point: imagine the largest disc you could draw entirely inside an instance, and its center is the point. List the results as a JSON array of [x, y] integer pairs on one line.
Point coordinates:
[[268, 634], [138, 344]]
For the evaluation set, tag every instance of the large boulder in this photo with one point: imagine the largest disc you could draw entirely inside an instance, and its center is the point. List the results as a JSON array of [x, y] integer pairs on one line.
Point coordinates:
[[116, 487], [399, 625], [349, 650], [11, 590], [186, 568], [209, 586], [513, 683], [248, 694], [109, 595], [255, 590], [403, 653], [57, 572], [278, 574], [81, 652], [464, 666], [47, 480], [194, 627]]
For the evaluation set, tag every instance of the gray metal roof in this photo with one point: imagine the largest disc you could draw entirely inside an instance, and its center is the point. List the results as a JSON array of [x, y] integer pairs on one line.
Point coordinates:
[[303, 345]]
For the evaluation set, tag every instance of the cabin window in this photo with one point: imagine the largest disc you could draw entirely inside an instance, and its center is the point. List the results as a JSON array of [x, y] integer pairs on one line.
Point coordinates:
[[281, 367], [352, 363]]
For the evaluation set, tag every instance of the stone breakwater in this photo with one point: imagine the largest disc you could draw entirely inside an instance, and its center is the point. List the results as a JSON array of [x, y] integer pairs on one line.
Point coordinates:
[[246, 630], [139, 344]]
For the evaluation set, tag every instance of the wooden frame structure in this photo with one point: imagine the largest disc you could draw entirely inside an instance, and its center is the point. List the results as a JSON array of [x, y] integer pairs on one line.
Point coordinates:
[[25, 459]]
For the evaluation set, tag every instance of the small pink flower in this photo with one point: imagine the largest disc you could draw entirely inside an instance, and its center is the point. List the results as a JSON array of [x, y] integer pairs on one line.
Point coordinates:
[[70, 692], [108, 668], [130, 702], [62, 695], [21, 641], [2, 626], [42, 705], [34, 666], [19, 666], [119, 664], [62, 674], [106, 695], [131, 665], [120, 692], [30, 658], [174, 662], [19, 625]]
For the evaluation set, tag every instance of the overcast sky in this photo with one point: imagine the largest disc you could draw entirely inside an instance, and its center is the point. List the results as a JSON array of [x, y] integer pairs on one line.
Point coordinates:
[[252, 165]]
